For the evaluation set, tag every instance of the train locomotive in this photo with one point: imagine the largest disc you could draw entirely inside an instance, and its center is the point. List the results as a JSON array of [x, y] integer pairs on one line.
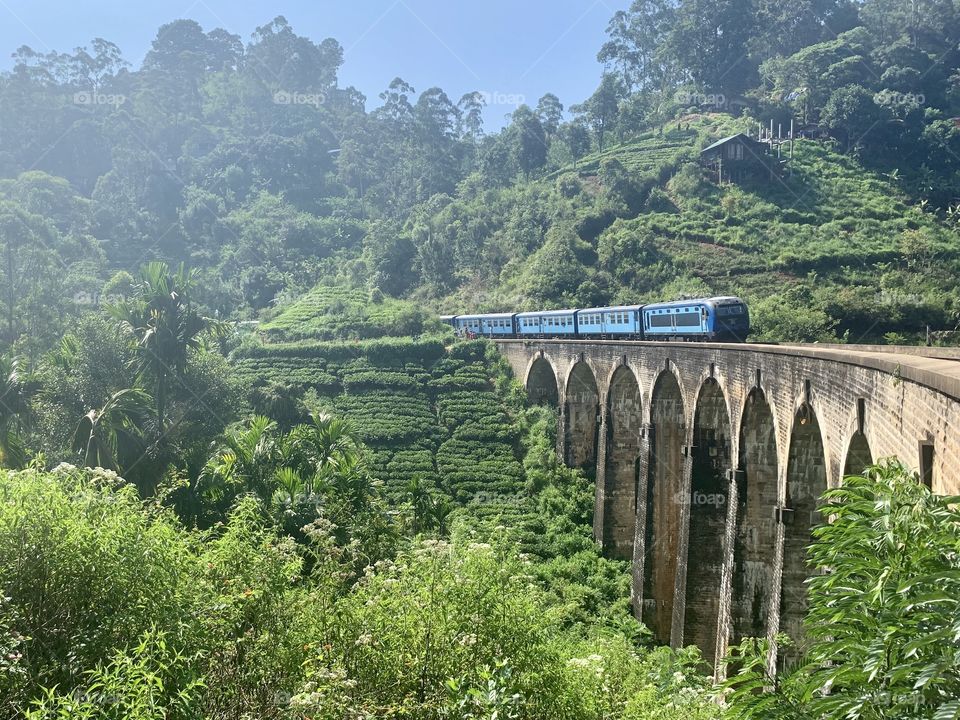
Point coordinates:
[[716, 319]]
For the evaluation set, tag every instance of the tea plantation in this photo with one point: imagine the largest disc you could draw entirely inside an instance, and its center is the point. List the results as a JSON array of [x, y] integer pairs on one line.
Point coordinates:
[[427, 413]]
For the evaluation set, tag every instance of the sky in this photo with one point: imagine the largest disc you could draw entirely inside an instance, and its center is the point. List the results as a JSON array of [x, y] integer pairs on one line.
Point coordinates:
[[513, 51]]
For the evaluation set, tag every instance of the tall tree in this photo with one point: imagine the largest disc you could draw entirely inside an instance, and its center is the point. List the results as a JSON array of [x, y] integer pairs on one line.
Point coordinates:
[[601, 109], [710, 40], [528, 140], [550, 113], [166, 326], [471, 115], [633, 53]]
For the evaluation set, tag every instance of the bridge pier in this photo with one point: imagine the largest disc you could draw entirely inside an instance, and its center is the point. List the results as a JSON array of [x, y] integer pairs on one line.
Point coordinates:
[[618, 468], [640, 521]]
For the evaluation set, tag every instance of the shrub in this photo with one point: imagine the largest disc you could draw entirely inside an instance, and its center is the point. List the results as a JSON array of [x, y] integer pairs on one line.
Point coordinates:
[[884, 610]]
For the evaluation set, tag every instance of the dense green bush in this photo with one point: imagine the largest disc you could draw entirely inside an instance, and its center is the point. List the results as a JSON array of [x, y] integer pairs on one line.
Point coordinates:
[[883, 620], [113, 610]]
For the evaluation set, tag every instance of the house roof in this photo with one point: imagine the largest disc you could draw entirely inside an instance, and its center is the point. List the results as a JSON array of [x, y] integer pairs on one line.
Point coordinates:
[[725, 140]]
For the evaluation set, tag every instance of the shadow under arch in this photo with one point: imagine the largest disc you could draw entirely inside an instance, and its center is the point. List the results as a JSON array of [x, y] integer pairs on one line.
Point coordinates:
[[806, 483], [711, 459], [859, 456], [582, 404], [542, 388], [756, 529], [663, 504], [621, 470]]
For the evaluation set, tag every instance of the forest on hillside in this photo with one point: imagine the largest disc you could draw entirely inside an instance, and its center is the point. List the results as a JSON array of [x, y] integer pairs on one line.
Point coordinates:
[[245, 472]]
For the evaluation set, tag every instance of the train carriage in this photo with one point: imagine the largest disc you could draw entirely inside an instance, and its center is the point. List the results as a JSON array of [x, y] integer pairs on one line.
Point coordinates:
[[715, 319], [547, 323], [614, 323], [490, 325]]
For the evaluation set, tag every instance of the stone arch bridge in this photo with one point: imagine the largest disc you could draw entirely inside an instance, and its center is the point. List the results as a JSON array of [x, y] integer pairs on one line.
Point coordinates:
[[709, 460]]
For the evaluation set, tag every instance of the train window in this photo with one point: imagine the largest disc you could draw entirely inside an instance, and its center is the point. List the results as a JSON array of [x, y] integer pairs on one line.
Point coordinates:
[[660, 320]]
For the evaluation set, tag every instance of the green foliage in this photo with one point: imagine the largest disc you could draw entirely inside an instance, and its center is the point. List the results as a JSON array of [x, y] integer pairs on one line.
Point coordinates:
[[86, 571], [237, 622], [16, 390], [165, 327], [882, 616]]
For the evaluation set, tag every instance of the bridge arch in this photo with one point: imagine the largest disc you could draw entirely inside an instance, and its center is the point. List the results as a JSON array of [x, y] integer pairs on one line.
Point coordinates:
[[623, 443], [663, 503], [581, 397], [756, 490], [807, 480], [540, 381], [710, 454]]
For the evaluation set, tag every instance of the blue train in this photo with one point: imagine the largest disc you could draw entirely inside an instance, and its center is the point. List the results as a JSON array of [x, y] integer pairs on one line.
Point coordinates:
[[717, 319]]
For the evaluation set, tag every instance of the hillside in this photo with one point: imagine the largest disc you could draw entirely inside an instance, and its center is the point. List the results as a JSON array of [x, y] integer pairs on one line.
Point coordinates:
[[826, 248]]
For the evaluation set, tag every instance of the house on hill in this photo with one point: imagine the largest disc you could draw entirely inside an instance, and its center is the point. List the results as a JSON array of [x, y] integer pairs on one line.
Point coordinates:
[[735, 158]]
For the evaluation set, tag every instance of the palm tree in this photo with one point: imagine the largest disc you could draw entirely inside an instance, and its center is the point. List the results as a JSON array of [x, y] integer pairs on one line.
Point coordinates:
[[102, 434], [328, 453], [325, 441], [246, 460], [15, 392], [166, 326]]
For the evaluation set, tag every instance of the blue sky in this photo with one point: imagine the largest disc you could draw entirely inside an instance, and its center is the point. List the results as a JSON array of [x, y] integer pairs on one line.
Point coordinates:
[[513, 50]]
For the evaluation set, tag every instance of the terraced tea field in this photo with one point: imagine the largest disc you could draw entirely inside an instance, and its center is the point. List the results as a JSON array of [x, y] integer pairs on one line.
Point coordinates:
[[424, 412]]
